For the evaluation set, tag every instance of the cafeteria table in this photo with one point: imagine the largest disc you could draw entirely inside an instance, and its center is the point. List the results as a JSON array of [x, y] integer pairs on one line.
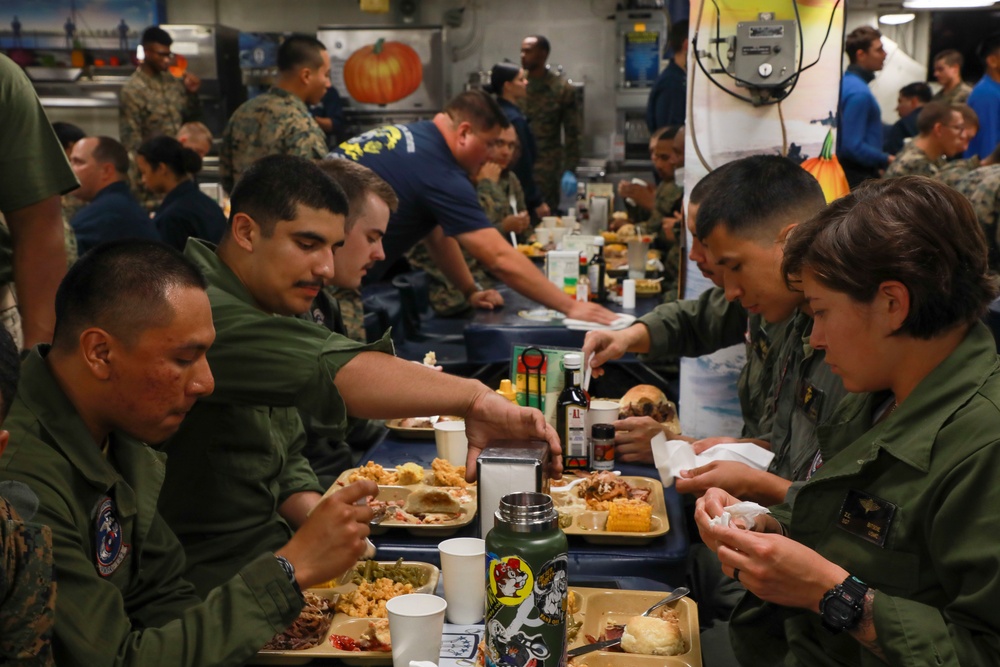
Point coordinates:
[[664, 559], [491, 334]]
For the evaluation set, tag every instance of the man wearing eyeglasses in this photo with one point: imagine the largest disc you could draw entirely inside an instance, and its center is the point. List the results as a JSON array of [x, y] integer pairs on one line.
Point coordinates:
[[942, 130], [153, 101]]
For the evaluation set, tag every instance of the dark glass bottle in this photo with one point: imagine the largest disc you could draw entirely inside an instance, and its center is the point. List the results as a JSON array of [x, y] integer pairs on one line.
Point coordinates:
[[571, 416], [526, 584], [595, 272]]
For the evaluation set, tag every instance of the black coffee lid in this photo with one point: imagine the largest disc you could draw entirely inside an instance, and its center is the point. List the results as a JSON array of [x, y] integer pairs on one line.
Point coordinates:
[[603, 431]]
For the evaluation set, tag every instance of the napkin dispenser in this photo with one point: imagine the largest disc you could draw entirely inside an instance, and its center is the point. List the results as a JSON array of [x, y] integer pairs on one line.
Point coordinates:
[[509, 467]]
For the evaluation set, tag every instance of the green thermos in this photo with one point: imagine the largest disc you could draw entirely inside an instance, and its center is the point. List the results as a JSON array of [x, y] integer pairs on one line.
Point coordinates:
[[526, 583]]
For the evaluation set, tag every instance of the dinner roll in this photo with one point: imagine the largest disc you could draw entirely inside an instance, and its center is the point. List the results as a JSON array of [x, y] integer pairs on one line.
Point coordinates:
[[652, 636]]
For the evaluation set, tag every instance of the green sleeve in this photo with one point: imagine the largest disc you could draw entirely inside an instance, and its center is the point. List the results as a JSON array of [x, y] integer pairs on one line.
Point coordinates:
[[297, 475], [572, 127], [33, 165], [693, 327], [962, 630], [258, 359]]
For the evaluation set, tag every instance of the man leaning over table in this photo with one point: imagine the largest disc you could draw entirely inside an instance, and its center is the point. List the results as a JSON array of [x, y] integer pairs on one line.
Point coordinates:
[[691, 328], [429, 165], [744, 233], [126, 364], [241, 448]]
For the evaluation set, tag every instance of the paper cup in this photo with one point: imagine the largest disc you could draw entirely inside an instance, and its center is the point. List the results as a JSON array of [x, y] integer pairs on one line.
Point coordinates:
[[416, 621], [549, 221], [601, 412], [452, 445], [543, 235], [463, 563]]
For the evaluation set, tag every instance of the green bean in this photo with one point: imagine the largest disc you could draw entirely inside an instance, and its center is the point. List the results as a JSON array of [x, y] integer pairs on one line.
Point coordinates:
[[397, 572]]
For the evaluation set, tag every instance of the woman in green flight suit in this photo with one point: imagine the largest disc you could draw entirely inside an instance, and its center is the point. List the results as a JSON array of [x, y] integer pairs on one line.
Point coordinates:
[[888, 554]]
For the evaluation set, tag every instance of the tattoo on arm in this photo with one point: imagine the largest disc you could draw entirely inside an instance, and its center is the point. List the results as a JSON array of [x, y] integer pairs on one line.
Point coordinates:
[[865, 631]]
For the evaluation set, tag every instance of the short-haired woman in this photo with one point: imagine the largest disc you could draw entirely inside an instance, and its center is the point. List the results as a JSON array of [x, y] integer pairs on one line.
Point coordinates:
[[888, 553]]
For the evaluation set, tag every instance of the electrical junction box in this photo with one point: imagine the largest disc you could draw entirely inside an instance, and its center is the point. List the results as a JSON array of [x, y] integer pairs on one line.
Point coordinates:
[[763, 55]]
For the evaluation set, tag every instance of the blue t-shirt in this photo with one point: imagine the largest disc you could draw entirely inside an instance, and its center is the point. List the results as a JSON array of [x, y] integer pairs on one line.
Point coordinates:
[[112, 215], [432, 187], [186, 211], [985, 101]]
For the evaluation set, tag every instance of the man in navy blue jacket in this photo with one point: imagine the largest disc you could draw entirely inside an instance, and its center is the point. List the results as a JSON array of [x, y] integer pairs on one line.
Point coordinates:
[[859, 132], [101, 166], [667, 103]]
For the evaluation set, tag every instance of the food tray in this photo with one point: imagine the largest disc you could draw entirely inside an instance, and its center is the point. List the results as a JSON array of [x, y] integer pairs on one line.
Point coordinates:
[[400, 492], [343, 625], [600, 606], [655, 288], [589, 523]]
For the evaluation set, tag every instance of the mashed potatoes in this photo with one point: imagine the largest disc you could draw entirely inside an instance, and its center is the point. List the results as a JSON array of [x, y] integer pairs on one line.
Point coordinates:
[[653, 636]]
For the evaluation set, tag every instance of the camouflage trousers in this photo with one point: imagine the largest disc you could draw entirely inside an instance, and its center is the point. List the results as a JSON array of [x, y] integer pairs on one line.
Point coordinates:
[[549, 183], [10, 315], [446, 299], [28, 591]]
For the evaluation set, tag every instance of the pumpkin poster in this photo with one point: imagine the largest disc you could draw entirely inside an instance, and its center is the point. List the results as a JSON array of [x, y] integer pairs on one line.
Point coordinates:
[[383, 72], [803, 128]]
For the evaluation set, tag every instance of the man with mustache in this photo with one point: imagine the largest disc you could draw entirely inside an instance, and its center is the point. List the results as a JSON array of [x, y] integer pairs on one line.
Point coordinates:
[[237, 482]]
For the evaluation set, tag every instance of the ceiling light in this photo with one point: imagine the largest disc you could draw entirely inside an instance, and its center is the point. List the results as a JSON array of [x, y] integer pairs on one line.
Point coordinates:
[[946, 4], [896, 19]]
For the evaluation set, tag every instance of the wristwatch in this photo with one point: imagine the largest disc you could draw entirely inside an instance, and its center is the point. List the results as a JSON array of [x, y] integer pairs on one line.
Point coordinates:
[[289, 572], [842, 606]]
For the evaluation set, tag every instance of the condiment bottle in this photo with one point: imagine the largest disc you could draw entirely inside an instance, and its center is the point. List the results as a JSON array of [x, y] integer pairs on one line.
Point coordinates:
[[602, 446], [595, 273], [507, 391], [571, 411], [526, 584], [583, 281]]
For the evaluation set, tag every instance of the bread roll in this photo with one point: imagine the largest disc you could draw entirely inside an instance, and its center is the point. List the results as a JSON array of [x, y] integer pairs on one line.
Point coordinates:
[[652, 636]]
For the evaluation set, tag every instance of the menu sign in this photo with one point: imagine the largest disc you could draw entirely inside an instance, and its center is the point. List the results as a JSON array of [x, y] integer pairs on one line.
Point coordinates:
[[642, 58]]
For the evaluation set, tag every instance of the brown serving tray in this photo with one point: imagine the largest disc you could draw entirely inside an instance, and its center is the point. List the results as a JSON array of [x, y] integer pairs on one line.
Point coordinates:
[[343, 625], [600, 606], [397, 492], [589, 524]]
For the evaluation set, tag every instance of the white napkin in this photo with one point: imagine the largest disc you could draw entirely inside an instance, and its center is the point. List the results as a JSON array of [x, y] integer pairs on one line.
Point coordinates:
[[623, 321], [672, 456], [744, 510]]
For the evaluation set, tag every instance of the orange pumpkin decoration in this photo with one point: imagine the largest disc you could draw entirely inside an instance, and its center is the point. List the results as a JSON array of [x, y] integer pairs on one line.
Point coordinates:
[[383, 72], [827, 170]]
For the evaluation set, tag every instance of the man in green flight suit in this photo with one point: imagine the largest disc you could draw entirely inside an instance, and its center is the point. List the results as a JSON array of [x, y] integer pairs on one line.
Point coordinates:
[[691, 328], [556, 118], [278, 122], [127, 363], [242, 447]]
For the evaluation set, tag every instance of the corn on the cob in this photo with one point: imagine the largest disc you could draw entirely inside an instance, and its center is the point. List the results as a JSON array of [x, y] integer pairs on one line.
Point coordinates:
[[629, 516]]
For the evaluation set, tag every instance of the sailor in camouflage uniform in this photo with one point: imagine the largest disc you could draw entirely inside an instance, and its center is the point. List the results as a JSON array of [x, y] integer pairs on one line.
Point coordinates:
[[278, 121], [27, 591], [942, 133], [153, 101], [948, 72], [982, 188], [27, 587], [554, 112]]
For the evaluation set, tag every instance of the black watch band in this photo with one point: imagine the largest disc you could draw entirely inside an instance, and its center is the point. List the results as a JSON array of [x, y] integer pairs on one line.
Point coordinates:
[[842, 606], [289, 572]]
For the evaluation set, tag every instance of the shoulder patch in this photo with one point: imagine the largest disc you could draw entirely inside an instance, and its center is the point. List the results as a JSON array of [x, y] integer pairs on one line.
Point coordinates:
[[111, 550]]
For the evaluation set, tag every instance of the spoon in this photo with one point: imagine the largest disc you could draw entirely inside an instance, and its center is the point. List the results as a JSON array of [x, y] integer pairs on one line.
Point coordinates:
[[677, 594]]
